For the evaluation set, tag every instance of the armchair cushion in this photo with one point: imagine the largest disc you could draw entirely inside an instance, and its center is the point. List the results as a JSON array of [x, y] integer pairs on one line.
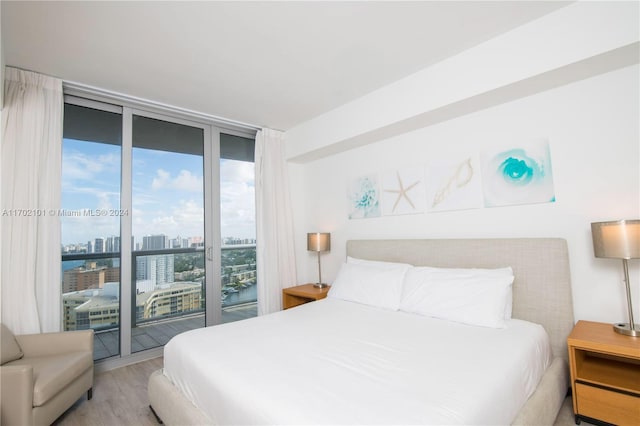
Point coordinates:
[[9, 348], [53, 373]]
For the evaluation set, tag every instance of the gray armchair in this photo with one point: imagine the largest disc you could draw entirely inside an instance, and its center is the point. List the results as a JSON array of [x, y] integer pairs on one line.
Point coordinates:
[[42, 375]]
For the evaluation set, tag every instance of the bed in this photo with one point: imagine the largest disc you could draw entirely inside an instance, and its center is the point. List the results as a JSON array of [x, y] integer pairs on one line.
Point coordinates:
[[287, 368]]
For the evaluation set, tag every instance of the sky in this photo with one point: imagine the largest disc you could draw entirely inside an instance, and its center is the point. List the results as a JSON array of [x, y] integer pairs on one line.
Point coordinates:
[[167, 193]]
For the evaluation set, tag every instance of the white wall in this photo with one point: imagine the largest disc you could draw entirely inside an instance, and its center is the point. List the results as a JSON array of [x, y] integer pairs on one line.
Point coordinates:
[[583, 39], [593, 129]]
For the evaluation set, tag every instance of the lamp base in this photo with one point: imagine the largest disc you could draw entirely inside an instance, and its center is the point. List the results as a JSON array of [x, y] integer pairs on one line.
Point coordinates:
[[624, 328], [320, 285]]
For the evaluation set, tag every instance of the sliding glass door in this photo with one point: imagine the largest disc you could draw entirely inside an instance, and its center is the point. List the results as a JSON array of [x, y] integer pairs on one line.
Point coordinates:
[[238, 228], [168, 239], [158, 226], [90, 219]]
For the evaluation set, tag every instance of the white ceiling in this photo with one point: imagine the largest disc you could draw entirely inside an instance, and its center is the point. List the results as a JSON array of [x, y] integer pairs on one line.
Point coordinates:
[[273, 64]]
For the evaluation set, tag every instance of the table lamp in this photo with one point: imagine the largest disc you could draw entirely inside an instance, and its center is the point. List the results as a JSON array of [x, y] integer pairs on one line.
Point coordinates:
[[619, 240], [319, 242]]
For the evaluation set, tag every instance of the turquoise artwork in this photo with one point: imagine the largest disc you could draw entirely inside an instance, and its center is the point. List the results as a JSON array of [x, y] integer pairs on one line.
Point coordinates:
[[364, 198], [520, 175]]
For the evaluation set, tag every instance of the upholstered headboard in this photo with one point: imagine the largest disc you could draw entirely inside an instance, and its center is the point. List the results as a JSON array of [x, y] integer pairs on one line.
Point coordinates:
[[542, 285]]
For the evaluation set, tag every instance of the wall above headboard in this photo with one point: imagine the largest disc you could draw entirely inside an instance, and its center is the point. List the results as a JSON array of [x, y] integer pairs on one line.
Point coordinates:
[[593, 129]]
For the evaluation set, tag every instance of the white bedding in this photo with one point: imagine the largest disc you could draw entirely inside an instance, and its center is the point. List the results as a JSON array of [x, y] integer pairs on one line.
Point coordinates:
[[339, 362]]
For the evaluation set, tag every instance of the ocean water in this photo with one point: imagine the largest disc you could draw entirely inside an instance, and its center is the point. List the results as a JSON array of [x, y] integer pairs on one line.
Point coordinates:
[[70, 264], [245, 295]]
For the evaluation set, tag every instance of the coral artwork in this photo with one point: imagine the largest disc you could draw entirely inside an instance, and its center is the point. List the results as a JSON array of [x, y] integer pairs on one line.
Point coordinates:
[[364, 198]]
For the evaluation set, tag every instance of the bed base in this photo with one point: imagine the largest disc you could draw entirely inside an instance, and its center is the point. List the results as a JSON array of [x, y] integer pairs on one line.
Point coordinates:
[[171, 408]]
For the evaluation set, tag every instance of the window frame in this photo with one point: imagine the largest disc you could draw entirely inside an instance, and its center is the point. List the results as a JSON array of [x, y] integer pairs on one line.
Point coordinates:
[[212, 126]]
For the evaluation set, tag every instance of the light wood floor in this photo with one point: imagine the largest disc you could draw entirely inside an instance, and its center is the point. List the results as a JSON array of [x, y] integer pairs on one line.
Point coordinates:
[[120, 399]]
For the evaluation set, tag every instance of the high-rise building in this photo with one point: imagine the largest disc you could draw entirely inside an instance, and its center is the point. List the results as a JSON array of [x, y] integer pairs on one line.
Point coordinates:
[[112, 275], [78, 279], [87, 277], [174, 299], [159, 269], [99, 245], [155, 242], [88, 310], [89, 247], [112, 244]]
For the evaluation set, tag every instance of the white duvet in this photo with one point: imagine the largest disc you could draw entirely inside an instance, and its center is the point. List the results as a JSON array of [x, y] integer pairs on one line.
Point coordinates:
[[339, 362]]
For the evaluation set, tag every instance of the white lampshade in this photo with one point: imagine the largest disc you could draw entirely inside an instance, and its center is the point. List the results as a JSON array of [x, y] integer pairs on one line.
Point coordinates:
[[617, 239], [319, 241]]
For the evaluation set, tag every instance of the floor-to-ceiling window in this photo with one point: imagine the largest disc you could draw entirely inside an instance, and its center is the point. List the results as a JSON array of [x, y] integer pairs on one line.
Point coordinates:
[[167, 220], [238, 227], [158, 218], [90, 219]]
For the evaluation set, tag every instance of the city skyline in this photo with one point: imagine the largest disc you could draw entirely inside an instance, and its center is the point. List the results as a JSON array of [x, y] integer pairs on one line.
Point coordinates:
[[114, 246], [167, 193]]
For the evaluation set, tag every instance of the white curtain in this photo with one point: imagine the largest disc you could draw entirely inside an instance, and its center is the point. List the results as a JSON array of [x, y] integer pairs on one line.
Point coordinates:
[[275, 253], [31, 184]]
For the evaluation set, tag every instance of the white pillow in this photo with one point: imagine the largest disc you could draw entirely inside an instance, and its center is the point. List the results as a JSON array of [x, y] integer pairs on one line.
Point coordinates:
[[471, 296], [369, 284], [480, 272]]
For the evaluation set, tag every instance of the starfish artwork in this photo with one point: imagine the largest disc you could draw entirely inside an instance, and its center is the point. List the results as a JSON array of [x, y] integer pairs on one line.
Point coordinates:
[[402, 193]]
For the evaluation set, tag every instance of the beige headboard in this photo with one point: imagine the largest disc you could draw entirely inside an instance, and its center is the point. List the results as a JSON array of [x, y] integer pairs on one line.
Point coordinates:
[[542, 285]]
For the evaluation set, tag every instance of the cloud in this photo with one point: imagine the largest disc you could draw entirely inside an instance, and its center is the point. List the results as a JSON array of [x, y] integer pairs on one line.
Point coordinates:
[[237, 171], [237, 199], [77, 165], [162, 179], [184, 181], [186, 218], [173, 206], [86, 225]]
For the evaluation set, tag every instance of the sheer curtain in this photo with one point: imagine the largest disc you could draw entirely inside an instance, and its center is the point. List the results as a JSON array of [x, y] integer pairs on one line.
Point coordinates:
[[275, 253], [31, 186]]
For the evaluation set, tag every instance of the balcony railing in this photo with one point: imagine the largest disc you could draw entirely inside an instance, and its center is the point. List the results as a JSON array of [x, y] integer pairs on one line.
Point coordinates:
[[159, 292]]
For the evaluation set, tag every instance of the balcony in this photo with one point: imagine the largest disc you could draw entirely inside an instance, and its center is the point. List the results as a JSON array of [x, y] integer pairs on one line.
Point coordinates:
[[168, 294]]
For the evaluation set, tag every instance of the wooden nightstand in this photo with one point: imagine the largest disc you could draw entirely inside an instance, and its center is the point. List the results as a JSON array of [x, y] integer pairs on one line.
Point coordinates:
[[294, 296], [605, 374]]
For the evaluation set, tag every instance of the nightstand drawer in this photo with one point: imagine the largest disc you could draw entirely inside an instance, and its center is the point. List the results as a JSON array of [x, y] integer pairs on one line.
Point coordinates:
[[606, 405]]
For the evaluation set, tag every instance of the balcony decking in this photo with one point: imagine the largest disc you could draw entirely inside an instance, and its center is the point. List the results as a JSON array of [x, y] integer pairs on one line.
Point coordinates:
[[157, 334]]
